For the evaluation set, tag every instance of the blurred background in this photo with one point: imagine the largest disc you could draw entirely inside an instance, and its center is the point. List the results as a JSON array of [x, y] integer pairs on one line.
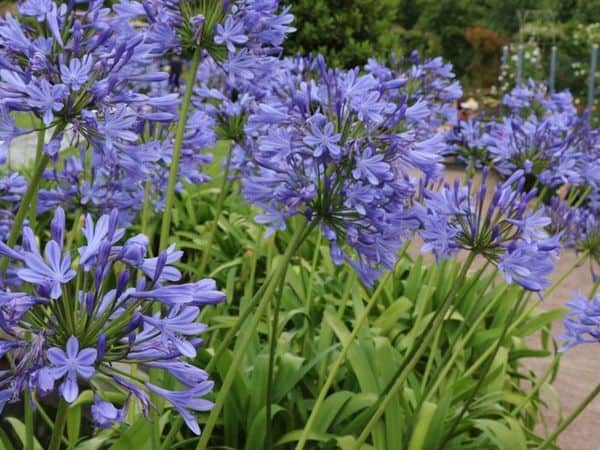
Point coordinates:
[[481, 38]]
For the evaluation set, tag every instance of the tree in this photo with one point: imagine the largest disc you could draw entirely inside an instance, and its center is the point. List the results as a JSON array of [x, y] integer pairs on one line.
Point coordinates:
[[347, 32]]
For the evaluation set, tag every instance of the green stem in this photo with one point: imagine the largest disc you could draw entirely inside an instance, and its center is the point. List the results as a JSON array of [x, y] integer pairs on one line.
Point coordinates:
[[594, 289], [27, 199], [146, 208], [407, 368], [565, 423], [215, 223], [327, 333], [28, 421], [271, 369], [538, 384], [59, 425], [582, 197], [486, 370], [313, 269], [238, 323], [337, 364], [566, 273], [175, 426], [540, 196], [244, 314], [39, 152], [240, 351], [179, 132]]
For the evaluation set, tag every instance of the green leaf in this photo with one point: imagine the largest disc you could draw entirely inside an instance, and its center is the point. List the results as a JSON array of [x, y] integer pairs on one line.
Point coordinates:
[[73, 424], [418, 438], [19, 429]]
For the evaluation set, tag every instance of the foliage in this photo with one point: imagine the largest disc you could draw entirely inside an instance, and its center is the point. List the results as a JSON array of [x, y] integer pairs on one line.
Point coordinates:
[[532, 66], [347, 32], [487, 47]]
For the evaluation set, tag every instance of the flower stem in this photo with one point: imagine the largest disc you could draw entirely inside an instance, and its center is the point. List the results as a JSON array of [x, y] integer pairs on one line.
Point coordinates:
[[407, 368], [215, 223], [59, 425], [240, 351], [39, 152], [539, 383], [244, 314], [271, 369], [486, 370], [146, 208], [594, 289], [565, 423], [27, 200], [566, 273], [28, 421], [173, 173], [337, 364]]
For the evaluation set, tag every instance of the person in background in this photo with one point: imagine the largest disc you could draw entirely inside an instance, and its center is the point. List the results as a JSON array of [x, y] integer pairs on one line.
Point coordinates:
[[175, 69]]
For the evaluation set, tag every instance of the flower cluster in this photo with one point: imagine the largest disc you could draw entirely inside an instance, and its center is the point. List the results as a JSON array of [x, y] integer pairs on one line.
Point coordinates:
[[582, 323], [538, 133], [429, 82], [336, 147], [505, 231], [84, 323], [88, 73]]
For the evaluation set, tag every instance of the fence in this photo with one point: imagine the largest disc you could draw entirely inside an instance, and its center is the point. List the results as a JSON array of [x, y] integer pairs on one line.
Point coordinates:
[[591, 79]]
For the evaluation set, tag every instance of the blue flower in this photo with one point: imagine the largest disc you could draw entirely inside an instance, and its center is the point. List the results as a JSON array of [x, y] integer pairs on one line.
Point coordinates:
[[77, 73], [582, 322], [46, 98], [71, 364], [323, 138], [526, 265], [105, 414], [230, 34], [53, 272], [372, 167], [503, 230], [186, 401]]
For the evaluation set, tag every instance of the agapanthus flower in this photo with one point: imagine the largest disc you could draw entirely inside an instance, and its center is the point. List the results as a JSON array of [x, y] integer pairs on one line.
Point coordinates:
[[542, 134], [314, 149], [504, 230], [68, 329], [582, 322]]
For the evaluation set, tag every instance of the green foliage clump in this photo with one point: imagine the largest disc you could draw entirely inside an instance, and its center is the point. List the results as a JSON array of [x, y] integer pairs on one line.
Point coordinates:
[[347, 32]]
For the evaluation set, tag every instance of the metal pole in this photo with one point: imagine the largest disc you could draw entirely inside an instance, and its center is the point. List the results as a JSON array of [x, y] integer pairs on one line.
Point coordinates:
[[505, 56], [592, 77], [552, 80], [519, 76]]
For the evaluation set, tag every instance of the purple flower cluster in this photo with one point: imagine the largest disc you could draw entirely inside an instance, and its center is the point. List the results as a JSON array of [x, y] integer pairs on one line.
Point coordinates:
[[582, 323], [542, 134], [336, 147], [84, 323], [504, 231], [88, 73], [429, 84]]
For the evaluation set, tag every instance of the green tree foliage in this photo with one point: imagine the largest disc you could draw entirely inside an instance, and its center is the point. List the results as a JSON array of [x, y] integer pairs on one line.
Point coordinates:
[[348, 32]]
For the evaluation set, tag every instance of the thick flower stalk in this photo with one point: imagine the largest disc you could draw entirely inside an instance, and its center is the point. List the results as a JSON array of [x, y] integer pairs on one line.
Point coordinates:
[[504, 231], [83, 321]]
